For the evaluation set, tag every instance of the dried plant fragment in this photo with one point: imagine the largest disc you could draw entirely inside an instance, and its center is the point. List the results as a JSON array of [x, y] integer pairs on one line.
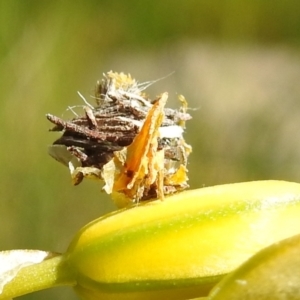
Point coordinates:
[[132, 143]]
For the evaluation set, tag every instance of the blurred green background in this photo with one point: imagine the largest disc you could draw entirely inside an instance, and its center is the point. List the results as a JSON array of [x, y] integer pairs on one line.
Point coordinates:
[[236, 62]]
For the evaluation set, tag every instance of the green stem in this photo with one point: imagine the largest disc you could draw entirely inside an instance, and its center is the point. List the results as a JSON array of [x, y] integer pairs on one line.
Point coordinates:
[[46, 274]]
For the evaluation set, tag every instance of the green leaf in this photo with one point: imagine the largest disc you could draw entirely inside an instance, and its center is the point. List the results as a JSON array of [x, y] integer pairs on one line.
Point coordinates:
[[273, 273]]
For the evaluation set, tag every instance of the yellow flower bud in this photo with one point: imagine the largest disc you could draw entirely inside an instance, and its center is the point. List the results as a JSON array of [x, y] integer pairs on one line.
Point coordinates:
[[180, 247]]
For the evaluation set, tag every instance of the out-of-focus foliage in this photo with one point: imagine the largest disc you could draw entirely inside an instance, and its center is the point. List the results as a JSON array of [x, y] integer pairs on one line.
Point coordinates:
[[236, 62]]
